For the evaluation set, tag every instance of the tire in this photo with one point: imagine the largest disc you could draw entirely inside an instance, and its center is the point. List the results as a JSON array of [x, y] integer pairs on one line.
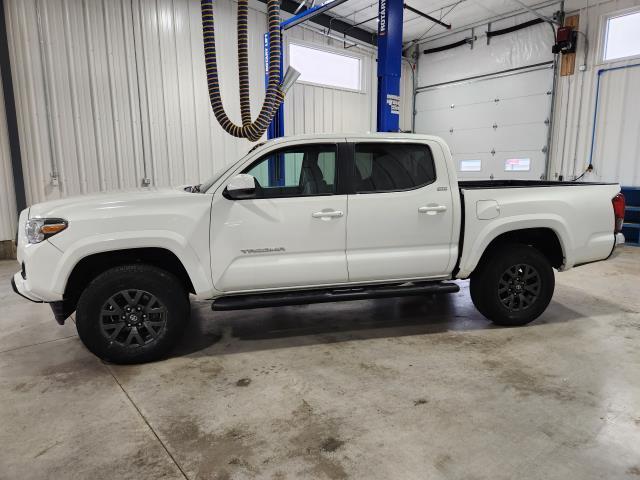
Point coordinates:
[[513, 285], [132, 314]]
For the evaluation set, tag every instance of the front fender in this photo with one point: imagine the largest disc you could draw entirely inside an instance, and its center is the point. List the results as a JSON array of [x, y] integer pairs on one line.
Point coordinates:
[[102, 243]]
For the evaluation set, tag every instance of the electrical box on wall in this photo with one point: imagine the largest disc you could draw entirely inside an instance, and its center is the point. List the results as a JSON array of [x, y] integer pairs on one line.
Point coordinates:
[[566, 39]]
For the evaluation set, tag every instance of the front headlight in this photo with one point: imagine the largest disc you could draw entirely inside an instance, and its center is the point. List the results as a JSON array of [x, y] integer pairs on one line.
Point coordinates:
[[39, 229]]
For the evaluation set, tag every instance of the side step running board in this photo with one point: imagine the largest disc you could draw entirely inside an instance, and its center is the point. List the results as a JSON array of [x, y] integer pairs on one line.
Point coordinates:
[[303, 297]]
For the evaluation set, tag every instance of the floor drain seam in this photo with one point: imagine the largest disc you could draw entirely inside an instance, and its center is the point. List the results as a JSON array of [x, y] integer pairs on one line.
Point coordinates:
[[144, 419], [36, 344]]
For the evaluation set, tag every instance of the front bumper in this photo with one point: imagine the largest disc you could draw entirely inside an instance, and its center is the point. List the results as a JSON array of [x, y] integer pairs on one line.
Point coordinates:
[[19, 286], [34, 282], [40, 263], [61, 309]]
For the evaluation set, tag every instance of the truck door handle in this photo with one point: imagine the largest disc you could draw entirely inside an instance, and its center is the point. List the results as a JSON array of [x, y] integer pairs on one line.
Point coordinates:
[[433, 209], [328, 214]]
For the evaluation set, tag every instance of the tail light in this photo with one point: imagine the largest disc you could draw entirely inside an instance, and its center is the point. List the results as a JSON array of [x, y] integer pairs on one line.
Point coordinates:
[[618, 211]]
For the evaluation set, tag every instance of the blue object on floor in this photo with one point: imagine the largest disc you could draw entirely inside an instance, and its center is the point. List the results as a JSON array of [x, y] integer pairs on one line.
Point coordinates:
[[631, 225]]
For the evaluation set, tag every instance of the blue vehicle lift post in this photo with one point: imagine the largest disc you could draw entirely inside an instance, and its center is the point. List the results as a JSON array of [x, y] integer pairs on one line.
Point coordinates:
[[390, 14]]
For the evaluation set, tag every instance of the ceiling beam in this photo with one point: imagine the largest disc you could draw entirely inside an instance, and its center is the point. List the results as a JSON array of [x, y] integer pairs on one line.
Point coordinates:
[[537, 14], [427, 16], [334, 24]]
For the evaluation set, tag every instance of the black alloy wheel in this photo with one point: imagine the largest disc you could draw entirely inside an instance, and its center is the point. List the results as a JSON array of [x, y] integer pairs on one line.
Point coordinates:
[[132, 318], [519, 287]]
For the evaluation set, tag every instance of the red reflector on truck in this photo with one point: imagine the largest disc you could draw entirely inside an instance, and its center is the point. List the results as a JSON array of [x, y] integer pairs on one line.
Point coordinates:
[[618, 211]]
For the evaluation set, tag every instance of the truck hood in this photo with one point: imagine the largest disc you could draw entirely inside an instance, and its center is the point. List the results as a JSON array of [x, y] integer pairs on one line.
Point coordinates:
[[107, 203]]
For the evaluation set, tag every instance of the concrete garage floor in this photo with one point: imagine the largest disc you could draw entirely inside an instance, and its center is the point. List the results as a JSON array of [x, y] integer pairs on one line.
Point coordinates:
[[389, 389]]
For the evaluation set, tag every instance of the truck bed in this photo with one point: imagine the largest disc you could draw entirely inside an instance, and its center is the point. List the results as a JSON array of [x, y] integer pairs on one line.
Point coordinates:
[[580, 214]]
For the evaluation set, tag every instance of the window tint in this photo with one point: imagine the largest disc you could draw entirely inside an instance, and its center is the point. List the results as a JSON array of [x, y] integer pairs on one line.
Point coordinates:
[[383, 167], [298, 171]]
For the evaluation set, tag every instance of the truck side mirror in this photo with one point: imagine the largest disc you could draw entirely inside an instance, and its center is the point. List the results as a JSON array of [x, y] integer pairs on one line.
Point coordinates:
[[240, 187]]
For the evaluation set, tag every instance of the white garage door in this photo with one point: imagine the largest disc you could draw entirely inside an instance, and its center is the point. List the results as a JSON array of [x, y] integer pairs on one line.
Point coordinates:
[[496, 126]]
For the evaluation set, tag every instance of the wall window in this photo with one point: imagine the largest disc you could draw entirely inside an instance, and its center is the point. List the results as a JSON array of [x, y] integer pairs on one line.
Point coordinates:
[[294, 172], [517, 165], [622, 36], [470, 165], [326, 68], [384, 167]]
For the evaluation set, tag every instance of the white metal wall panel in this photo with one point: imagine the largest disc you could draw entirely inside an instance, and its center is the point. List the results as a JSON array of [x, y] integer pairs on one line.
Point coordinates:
[[112, 92], [617, 133], [616, 145], [314, 109], [74, 75], [7, 196], [406, 97]]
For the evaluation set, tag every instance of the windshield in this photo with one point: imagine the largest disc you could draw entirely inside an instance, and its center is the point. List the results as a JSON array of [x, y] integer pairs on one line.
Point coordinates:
[[207, 184]]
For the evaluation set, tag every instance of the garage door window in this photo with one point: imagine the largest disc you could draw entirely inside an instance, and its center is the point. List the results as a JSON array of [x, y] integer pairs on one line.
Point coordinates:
[[470, 165], [622, 36], [517, 165], [391, 167], [295, 172]]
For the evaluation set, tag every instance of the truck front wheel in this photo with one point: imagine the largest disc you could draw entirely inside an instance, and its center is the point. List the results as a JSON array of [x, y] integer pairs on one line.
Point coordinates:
[[513, 285], [132, 314]]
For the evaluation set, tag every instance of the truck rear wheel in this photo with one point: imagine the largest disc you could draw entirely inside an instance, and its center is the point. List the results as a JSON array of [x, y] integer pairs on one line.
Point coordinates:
[[132, 314], [513, 285]]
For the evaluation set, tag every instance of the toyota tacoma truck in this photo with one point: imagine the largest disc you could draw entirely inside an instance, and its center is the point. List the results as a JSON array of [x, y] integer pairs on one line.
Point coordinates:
[[303, 220]]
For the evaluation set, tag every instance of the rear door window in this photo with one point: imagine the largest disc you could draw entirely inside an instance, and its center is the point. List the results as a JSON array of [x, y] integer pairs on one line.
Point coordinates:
[[388, 167]]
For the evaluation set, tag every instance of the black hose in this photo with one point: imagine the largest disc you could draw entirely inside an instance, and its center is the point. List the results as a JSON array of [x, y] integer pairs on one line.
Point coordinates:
[[449, 46], [273, 97], [515, 28]]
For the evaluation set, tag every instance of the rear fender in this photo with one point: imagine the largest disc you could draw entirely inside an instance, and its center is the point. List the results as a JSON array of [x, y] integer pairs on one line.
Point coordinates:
[[480, 235]]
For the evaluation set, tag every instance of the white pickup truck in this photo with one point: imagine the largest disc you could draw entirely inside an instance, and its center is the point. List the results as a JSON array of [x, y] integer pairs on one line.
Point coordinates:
[[305, 220]]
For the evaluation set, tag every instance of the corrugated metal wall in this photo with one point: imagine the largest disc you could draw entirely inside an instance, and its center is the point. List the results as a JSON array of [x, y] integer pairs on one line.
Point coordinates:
[[7, 195], [617, 133], [110, 92], [406, 96]]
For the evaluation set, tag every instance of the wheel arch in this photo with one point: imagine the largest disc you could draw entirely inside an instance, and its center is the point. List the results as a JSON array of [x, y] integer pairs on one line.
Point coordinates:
[[93, 265], [543, 239]]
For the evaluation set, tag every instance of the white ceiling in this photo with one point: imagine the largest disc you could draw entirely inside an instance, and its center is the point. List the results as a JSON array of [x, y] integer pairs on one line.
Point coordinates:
[[457, 13]]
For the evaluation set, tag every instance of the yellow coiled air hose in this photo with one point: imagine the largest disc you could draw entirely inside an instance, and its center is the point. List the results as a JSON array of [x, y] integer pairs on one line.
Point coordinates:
[[275, 92]]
